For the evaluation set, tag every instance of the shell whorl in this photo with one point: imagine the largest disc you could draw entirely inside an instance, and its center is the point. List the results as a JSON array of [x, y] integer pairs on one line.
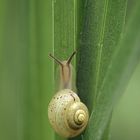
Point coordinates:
[[77, 115]]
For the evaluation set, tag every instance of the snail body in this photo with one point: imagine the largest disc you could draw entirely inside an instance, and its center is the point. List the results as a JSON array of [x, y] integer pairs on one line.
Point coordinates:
[[67, 114]]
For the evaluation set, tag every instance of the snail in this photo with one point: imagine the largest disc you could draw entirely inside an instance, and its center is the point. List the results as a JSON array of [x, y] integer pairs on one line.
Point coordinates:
[[67, 114]]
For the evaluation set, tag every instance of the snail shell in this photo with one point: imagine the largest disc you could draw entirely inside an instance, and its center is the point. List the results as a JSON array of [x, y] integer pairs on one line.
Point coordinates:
[[68, 116]]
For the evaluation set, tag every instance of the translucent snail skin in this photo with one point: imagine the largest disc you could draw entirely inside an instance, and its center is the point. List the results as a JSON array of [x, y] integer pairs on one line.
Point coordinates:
[[67, 114]]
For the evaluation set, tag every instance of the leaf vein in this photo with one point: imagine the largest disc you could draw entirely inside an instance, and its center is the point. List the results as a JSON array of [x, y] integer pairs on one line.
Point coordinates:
[[100, 46]]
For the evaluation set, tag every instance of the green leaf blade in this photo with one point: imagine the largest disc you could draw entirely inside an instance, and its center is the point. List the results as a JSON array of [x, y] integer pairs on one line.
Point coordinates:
[[64, 36], [103, 23], [123, 63]]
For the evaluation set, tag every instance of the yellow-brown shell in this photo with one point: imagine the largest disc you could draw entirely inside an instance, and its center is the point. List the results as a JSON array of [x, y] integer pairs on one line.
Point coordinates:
[[68, 116]]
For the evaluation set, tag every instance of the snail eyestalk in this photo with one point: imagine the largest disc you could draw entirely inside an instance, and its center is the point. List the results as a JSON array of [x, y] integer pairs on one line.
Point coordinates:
[[70, 58], [57, 60]]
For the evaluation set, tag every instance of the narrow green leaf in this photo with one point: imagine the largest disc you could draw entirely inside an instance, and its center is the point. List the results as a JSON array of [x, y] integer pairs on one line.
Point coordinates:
[[64, 34], [103, 23], [64, 30], [106, 133], [123, 63]]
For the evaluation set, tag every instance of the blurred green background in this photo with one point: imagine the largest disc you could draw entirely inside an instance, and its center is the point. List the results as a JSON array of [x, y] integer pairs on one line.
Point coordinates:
[[25, 69], [126, 116], [26, 80]]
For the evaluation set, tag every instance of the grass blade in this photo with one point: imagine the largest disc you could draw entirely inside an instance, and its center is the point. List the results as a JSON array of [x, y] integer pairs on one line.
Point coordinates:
[[125, 59], [103, 23], [64, 34]]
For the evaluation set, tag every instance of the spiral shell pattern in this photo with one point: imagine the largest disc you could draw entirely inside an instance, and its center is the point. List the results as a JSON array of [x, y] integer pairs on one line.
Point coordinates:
[[68, 116]]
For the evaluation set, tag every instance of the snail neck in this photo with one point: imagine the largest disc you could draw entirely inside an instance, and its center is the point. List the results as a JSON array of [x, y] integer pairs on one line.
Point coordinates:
[[65, 75]]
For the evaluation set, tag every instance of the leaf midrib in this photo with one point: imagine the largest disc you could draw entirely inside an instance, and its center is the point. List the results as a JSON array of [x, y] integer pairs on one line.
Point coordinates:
[[100, 44]]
